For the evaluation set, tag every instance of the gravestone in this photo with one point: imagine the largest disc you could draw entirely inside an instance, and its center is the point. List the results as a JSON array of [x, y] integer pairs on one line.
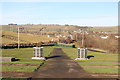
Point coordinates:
[[82, 54], [38, 53], [7, 59]]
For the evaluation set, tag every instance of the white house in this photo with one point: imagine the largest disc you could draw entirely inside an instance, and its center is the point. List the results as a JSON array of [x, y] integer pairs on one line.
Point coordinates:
[[104, 37], [117, 36]]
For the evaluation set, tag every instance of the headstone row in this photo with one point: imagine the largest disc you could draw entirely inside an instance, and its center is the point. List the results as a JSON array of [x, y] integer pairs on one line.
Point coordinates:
[[38, 53]]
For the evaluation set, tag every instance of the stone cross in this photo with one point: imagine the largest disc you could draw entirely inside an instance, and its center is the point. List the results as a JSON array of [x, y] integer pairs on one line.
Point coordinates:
[[82, 54], [38, 53]]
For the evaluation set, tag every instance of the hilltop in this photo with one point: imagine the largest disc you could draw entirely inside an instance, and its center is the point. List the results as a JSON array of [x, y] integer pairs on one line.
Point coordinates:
[[51, 27]]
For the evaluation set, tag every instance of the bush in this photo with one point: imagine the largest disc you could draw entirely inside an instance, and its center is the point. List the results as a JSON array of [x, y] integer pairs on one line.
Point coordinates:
[[110, 44]]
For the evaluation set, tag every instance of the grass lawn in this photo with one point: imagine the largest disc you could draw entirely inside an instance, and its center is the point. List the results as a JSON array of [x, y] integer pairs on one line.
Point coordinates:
[[99, 59], [24, 52], [25, 55], [97, 64], [18, 68], [18, 62], [101, 70]]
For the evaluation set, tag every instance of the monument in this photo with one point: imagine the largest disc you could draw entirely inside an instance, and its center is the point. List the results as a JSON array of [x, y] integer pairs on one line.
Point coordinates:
[[82, 54], [38, 53]]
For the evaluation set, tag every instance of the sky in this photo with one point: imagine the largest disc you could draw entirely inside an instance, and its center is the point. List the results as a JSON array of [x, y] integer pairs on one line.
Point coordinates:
[[72, 13]]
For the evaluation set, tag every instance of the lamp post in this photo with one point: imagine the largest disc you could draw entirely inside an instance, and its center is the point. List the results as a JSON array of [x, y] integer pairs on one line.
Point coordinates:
[[82, 38]]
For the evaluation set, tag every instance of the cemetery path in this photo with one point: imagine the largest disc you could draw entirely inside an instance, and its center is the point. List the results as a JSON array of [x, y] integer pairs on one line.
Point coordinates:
[[59, 65]]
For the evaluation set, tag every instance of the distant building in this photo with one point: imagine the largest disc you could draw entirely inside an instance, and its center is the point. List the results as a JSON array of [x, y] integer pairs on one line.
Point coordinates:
[[12, 24], [104, 37]]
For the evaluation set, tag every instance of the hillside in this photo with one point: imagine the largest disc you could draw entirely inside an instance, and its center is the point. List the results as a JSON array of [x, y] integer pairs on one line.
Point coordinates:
[[38, 27], [24, 37], [55, 28], [112, 29]]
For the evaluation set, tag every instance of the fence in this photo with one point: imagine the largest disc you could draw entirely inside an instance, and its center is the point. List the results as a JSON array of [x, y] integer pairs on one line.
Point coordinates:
[[64, 45], [34, 45]]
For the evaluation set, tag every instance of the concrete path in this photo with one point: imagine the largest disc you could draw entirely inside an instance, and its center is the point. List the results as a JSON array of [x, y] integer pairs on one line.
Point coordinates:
[[59, 65]]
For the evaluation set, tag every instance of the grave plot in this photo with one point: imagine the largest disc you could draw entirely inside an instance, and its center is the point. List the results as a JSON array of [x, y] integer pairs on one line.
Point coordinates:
[[24, 65], [99, 64]]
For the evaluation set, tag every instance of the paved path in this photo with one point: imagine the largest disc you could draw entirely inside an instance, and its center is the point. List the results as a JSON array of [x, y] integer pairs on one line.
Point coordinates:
[[59, 65]]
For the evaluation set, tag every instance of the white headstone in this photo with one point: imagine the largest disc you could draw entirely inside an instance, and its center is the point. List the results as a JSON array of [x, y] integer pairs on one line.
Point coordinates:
[[38, 53], [82, 54]]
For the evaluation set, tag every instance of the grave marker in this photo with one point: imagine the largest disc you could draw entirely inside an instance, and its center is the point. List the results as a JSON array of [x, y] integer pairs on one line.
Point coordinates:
[[82, 54], [38, 53], [7, 59]]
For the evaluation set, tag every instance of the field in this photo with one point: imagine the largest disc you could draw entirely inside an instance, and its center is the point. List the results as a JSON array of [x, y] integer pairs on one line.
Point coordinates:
[[5, 40], [105, 29], [24, 37]]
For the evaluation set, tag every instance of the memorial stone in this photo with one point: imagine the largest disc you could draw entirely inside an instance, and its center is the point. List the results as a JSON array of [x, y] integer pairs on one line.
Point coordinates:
[[38, 53], [82, 54]]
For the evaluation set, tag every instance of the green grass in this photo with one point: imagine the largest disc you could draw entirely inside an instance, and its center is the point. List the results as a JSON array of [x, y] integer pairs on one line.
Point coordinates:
[[25, 55], [98, 64], [18, 68], [72, 53], [24, 52], [101, 70], [29, 60], [99, 59], [22, 62]]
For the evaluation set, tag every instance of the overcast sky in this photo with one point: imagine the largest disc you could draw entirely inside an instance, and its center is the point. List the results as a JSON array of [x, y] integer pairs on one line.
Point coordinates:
[[73, 13]]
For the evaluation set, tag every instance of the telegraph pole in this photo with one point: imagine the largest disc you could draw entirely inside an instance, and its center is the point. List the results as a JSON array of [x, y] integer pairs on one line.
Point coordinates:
[[83, 39]]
